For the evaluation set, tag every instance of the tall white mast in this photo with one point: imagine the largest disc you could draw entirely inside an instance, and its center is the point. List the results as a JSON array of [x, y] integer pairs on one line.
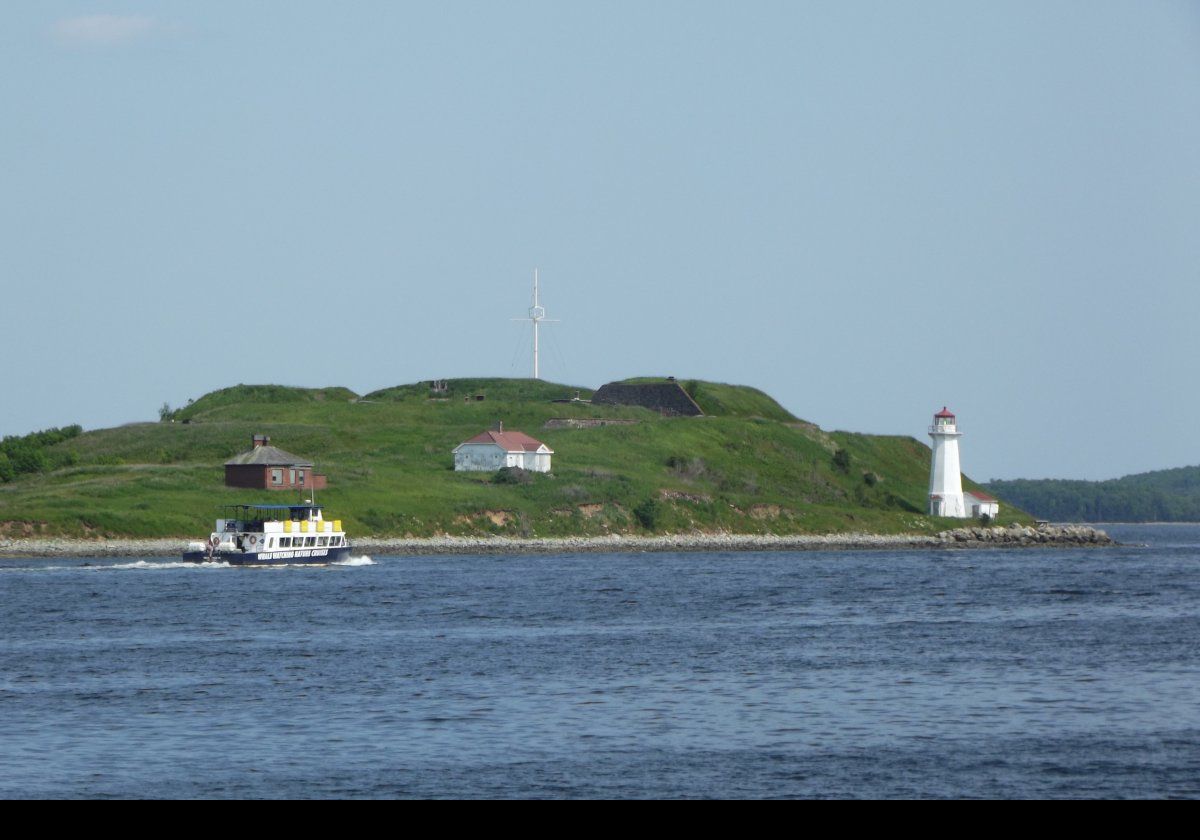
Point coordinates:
[[537, 314]]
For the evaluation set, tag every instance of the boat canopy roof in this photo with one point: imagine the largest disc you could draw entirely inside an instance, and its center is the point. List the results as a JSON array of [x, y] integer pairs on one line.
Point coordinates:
[[264, 511]]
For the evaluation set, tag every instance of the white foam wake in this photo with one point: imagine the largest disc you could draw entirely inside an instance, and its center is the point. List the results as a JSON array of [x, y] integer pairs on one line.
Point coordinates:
[[354, 561], [173, 564]]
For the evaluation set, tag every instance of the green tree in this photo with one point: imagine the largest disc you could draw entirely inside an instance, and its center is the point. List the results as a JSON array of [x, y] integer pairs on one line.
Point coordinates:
[[27, 459], [646, 512], [841, 461], [512, 475]]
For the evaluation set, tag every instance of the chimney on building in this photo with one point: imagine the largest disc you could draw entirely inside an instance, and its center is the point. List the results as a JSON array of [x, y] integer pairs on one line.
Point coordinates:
[[259, 440]]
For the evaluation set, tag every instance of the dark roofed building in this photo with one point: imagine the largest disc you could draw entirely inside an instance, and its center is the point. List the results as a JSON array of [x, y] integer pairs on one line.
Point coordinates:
[[265, 467], [667, 398]]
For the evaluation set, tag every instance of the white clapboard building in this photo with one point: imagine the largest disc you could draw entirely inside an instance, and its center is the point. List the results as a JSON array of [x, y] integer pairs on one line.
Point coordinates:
[[980, 504], [496, 448]]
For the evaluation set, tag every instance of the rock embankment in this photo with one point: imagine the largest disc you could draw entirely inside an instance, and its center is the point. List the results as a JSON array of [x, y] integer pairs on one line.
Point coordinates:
[[67, 547], [971, 537], [978, 537], [1017, 535]]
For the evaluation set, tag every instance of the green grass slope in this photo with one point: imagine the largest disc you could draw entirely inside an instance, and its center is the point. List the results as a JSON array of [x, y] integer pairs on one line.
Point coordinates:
[[503, 390], [750, 468], [261, 395]]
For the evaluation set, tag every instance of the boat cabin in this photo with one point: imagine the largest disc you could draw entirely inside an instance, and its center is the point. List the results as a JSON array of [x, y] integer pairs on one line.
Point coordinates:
[[274, 527]]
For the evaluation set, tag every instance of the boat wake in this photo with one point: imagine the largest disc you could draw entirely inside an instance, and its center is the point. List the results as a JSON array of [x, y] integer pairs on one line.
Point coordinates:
[[169, 564], [354, 561], [140, 565], [90, 566]]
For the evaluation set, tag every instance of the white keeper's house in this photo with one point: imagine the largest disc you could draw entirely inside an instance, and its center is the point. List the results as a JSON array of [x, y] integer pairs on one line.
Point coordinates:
[[980, 504], [496, 448]]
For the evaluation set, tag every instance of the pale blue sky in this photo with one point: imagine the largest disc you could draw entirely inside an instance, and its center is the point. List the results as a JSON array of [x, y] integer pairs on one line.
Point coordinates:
[[868, 210]]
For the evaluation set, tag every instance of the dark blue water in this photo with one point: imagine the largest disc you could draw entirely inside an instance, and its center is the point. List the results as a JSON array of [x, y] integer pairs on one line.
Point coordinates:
[[1016, 673]]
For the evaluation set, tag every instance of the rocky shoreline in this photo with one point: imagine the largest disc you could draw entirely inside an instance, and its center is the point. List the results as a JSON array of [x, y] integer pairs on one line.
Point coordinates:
[[1060, 536]]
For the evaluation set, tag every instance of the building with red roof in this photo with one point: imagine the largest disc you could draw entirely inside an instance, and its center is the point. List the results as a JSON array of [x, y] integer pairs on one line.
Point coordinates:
[[981, 504], [491, 450]]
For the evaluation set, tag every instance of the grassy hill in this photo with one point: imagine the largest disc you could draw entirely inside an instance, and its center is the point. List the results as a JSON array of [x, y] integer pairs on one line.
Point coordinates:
[[259, 395], [748, 467]]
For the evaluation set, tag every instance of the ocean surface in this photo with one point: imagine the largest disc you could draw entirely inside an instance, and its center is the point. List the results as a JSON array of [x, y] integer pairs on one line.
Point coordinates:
[[1005, 673]]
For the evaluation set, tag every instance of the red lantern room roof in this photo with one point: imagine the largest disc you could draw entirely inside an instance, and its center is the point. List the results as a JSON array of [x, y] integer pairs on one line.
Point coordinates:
[[945, 412]]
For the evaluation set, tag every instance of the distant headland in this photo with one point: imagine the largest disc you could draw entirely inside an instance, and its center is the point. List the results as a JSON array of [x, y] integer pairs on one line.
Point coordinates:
[[1160, 496]]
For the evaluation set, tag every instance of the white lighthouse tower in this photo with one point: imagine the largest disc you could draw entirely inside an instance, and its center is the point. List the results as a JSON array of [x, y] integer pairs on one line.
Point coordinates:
[[945, 478]]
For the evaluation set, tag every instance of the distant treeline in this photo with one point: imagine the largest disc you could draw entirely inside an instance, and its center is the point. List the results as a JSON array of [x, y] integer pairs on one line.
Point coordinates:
[[29, 453], [1161, 496]]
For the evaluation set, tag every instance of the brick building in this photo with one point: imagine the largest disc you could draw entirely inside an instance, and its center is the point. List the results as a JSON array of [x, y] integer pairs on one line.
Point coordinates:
[[265, 467]]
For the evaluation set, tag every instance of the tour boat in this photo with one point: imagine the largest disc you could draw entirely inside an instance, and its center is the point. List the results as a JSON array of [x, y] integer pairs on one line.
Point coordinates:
[[272, 535]]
